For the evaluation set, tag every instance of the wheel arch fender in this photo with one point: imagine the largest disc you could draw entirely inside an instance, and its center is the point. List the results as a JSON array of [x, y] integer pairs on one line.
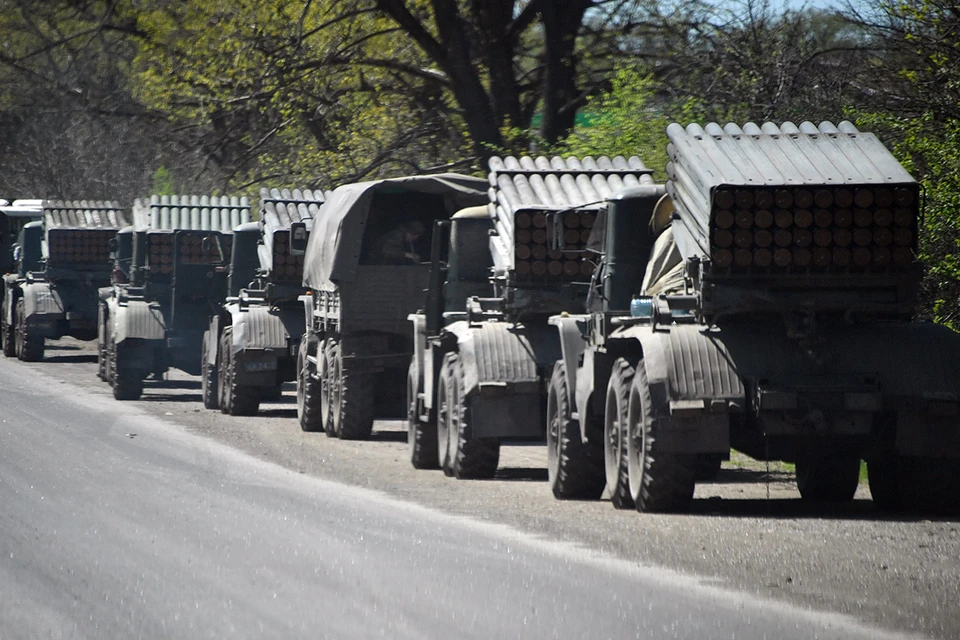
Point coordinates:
[[136, 319], [419, 322], [503, 353], [41, 298], [212, 338], [573, 345], [685, 363], [11, 293]]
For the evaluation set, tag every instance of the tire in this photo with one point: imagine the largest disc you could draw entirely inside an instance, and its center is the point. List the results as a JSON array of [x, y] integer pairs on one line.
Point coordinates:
[[355, 392], [828, 478], [660, 482], [8, 337], [308, 391], [30, 348], [127, 382], [421, 436], [241, 400], [222, 350], [442, 403], [102, 328], [574, 467], [329, 388], [616, 409], [208, 375], [708, 466], [467, 457]]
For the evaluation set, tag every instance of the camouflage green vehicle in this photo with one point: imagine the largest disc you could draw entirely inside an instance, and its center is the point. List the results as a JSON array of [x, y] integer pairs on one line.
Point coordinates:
[[13, 217], [484, 347], [366, 267], [63, 260], [767, 307], [250, 347], [178, 278]]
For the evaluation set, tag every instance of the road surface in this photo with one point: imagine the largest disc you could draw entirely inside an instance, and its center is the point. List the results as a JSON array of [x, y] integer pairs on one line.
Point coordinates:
[[118, 522]]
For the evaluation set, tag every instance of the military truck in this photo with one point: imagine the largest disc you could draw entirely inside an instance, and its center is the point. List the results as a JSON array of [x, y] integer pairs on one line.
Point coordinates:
[[250, 347], [366, 269], [770, 312], [63, 260], [484, 348], [13, 216], [178, 279]]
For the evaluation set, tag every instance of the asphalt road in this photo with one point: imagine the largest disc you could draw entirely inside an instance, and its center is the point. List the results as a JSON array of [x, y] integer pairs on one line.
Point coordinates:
[[159, 519]]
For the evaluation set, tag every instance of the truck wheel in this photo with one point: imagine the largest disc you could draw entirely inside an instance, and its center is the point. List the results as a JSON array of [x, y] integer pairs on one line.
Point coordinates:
[[208, 375], [574, 467], [354, 412], [102, 328], [30, 347], [828, 477], [659, 481], [7, 332], [127, 382], [421, 436], [329, 389], [309, 407], [242, 400], [615, 434], [223, 352], [929, 486], [467, 457]]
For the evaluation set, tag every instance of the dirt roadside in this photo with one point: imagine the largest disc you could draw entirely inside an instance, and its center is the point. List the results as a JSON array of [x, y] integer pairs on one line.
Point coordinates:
[[902, 574]]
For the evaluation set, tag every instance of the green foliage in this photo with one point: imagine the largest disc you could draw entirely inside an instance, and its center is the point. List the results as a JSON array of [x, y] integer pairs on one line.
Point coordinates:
[[162, 183], [931, 151], [626, 120], [631, 118]]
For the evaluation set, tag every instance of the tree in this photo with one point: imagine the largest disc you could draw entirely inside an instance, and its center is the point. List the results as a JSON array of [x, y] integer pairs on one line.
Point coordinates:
[[752, 59], [498, 71], [915, 106], [69, 127]]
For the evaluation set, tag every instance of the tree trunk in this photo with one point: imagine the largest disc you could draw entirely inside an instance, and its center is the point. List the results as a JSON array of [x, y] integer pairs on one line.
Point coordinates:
[[561, 24]]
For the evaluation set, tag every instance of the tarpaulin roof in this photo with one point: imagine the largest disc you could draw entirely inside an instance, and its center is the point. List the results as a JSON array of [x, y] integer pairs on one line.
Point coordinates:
[[333, 250]]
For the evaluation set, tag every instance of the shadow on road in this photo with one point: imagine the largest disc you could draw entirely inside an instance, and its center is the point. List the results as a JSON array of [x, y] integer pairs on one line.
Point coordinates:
[[533, 474], [172, 384], [795, 508], [86, 358], [388, 436], [67, 347], [170, 397], [278, 413], [737, 476]]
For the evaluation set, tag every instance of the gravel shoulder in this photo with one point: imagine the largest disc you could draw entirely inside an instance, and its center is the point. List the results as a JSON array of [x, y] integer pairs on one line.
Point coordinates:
[[748, 530]]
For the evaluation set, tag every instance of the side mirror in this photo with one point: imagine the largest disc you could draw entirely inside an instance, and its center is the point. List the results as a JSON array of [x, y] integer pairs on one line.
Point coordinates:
[[298, 238], [16, 252], [113, 244], [205, 244]]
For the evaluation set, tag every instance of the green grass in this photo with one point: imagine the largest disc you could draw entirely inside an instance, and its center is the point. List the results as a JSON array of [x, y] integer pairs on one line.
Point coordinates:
[[740, 460]]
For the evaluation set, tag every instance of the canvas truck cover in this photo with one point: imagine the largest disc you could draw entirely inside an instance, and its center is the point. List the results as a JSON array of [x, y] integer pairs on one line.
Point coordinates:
[[333, 250]]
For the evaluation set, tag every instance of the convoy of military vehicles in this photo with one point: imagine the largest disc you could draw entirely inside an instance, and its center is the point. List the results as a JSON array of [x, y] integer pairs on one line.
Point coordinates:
[[760, 299]]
